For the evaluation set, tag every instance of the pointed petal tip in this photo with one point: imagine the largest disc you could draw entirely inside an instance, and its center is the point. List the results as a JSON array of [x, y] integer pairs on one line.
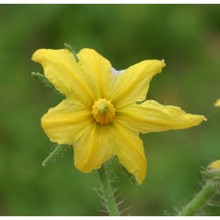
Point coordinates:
[[140, 179], [33, 57], [37, 55], [204, 118], [159, 65], [194, 120], [200, 118], [163, 64]]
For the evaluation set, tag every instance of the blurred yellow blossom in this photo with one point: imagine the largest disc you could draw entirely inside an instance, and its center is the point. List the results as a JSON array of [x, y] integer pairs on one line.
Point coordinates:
[[217, 103], [215, 165], [102, 114]]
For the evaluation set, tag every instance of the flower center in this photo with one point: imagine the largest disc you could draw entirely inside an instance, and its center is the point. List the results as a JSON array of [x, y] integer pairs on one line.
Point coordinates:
[[103, 111]]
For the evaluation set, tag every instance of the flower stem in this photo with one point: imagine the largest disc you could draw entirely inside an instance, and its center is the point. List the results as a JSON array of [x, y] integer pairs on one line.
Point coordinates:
[[199, 200], [107, 192]]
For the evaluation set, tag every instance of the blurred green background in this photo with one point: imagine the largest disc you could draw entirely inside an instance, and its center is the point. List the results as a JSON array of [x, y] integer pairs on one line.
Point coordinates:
[[186, 36]]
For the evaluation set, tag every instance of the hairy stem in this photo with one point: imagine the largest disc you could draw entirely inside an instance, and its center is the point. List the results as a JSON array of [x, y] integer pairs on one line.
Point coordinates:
[[199, 200], [107, 192]]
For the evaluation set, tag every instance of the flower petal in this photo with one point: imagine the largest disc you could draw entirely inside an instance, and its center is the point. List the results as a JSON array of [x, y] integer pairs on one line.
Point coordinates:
[[128, 147], [215, 165], [98, 72], [64, 73], [132, 84], [64, 123], [150, 116], [93, 148], [217, 103]]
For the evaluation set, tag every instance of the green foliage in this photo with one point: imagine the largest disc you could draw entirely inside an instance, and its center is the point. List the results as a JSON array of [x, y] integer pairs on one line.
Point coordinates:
[[186, 36]]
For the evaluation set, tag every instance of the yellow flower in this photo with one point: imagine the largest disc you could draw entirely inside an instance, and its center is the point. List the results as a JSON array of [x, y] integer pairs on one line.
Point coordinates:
[[100, 116], [213, 170], [217, 103], [215, 165]]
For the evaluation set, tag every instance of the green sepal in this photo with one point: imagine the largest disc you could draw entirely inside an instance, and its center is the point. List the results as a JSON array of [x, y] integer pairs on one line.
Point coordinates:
[[42, 79], [69, 47], [55, 154], [211, 174]]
